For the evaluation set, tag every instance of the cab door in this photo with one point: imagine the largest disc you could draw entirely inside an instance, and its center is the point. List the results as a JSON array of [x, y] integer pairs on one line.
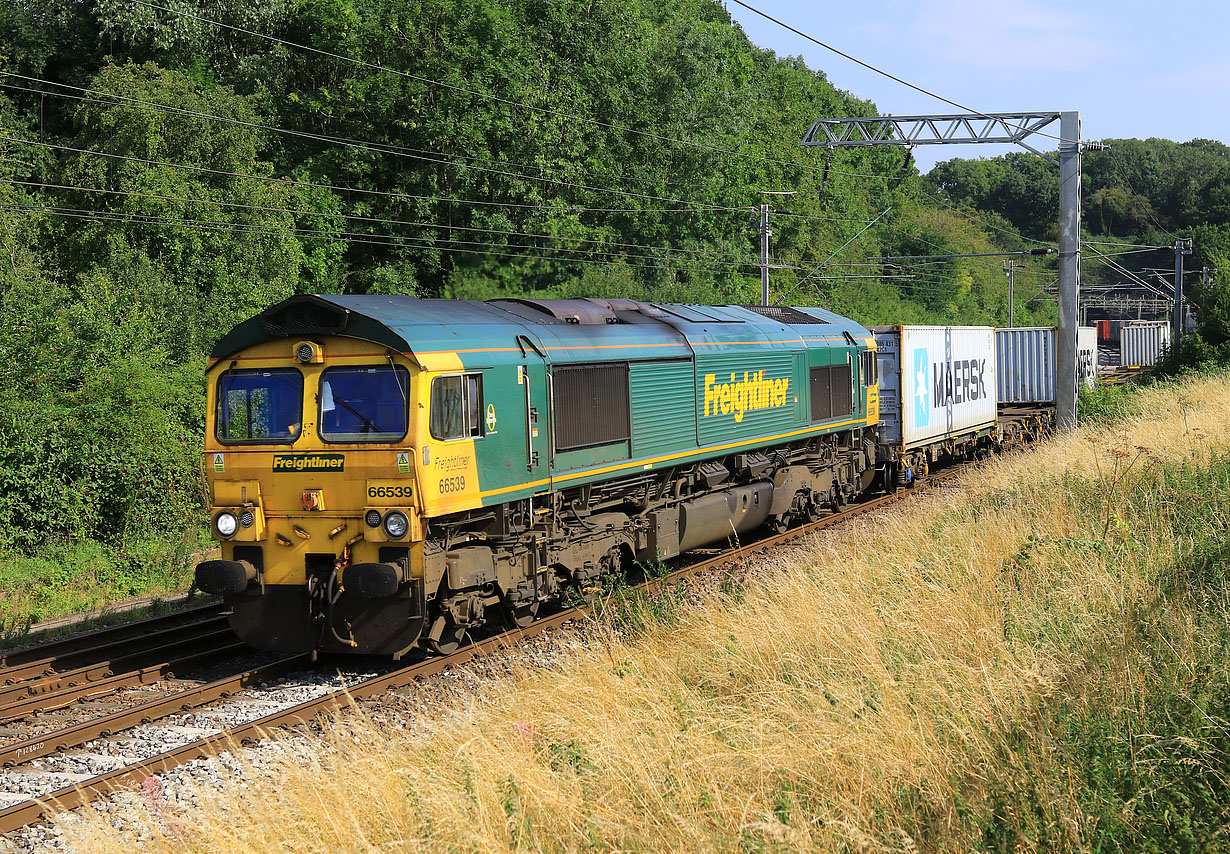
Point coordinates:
[[534, 379]]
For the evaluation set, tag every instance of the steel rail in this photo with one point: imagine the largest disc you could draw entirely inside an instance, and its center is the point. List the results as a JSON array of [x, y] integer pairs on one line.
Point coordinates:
[[44, 745], [194, 657], [213, 631], [83, 642], [108, 650]]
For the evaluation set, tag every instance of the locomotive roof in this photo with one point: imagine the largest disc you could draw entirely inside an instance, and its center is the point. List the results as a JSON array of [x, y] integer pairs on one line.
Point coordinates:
[[572, 329]]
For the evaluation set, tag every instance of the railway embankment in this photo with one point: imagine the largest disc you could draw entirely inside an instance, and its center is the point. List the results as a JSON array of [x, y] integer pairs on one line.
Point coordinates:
[[1038, 660]]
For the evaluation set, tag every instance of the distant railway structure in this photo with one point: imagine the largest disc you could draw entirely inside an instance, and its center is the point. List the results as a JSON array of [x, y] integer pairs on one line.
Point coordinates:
[[1014, 128]]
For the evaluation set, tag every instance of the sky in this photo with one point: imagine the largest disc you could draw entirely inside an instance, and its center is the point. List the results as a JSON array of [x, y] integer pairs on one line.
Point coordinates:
[[1132, 69]]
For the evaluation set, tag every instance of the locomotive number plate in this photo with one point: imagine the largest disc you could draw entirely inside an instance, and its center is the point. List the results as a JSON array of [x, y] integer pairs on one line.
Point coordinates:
[[389, 492]]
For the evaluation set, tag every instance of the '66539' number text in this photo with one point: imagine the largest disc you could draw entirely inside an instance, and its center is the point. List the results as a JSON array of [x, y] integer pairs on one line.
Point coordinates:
[[390, 492], [453, 484]]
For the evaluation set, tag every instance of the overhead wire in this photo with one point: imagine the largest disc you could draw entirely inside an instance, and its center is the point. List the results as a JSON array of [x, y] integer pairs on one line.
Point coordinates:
[[438, 157], [880, 71], [1123, 245], [425, 155], [101, 97], [833, 255], [381, 148], [490, 249], [361, 190], [359, 218]]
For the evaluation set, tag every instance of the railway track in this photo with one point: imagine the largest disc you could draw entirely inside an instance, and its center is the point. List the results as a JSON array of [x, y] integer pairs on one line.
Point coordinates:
[[24, 696], [100, 644]]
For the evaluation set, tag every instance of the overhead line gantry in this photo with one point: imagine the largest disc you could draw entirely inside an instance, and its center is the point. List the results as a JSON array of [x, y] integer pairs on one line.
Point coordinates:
[[1013, 128]]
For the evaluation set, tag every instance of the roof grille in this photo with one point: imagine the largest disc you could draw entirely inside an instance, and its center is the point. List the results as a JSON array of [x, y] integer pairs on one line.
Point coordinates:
[[304, 316], [784, 314], [577, 311]]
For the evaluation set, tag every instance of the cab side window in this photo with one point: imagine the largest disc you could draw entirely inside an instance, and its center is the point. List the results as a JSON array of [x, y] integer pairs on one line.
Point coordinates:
[[867, 365], [457, 407]]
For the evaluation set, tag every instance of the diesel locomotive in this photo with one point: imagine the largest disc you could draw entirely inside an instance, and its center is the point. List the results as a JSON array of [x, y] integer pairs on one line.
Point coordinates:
[[388, 473]]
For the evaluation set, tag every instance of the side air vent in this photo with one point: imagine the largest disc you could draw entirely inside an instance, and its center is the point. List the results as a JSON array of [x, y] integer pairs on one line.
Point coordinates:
[[784, 314], [304, 316], [590, 403]]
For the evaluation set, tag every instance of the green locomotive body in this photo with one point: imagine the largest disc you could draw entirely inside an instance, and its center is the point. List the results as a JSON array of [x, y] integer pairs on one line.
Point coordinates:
[[519, 447]]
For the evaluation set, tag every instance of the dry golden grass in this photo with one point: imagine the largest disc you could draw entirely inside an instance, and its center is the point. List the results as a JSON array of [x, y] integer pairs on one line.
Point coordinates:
[[849, 700]]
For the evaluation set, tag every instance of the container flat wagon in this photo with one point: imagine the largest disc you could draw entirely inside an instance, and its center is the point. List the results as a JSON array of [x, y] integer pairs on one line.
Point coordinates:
[[938, 396]]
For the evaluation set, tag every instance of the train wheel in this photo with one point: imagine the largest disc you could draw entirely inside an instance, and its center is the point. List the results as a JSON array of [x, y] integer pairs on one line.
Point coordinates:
[[522, 615], [446, 636]]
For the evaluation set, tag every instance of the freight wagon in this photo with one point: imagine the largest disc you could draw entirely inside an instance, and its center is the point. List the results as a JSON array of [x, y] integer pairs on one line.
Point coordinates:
[[1142, 342], [1025, 362], [938, 396]]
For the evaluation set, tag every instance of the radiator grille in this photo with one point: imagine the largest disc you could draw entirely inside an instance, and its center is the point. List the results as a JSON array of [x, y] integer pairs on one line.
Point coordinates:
[[590, 403], [830, 392], [784, 314], [304, 318]]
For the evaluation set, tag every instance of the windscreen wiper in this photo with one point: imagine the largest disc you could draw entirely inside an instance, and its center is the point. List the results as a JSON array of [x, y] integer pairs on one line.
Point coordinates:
[[368, 425]]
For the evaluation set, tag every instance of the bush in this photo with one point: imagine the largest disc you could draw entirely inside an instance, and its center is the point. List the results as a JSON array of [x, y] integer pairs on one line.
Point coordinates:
[[1192, 354]]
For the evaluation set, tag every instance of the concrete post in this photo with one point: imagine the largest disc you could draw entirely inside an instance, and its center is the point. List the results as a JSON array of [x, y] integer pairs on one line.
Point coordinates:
[[1069, 268]]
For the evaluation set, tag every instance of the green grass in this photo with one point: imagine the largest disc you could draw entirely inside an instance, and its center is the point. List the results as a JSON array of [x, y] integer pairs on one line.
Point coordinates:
[[1133, 754], [1105, 404], [75, 577]]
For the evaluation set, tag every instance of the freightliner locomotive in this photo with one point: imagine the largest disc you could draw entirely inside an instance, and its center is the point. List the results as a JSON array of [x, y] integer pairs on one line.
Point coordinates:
[[389, 473]]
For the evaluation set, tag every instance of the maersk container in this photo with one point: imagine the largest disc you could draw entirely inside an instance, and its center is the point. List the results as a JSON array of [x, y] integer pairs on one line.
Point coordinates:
[[1142, 342], [936, 382], [1025, 362]]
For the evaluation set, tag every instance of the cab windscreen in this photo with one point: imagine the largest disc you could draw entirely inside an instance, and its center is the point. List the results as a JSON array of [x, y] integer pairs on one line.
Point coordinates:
[[363, 404], [260, 406]]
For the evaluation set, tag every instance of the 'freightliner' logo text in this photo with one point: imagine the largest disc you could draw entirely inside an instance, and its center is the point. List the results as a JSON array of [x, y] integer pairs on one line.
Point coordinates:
[[746, 395], [309, 462]]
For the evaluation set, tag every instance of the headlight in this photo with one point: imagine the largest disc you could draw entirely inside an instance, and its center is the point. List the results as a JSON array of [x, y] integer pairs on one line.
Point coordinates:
[[372, 518], [226, 524], [396, 524]]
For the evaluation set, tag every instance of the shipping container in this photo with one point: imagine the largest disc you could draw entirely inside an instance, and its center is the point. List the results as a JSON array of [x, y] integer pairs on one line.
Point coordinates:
[[1142, 342], [936, 382], [1103, 329], [1025, 362]]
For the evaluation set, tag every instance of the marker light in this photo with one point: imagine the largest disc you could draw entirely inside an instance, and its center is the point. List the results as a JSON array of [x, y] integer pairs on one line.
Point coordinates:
[[372, 518]]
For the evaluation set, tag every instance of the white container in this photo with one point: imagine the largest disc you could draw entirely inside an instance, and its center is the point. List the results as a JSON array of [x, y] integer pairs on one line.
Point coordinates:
[[936, 382], [1025, 362], [1087, 355], [1141, 342]]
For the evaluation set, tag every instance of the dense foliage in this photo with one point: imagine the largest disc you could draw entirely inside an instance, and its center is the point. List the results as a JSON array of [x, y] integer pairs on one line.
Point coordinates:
[[166, 172]]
